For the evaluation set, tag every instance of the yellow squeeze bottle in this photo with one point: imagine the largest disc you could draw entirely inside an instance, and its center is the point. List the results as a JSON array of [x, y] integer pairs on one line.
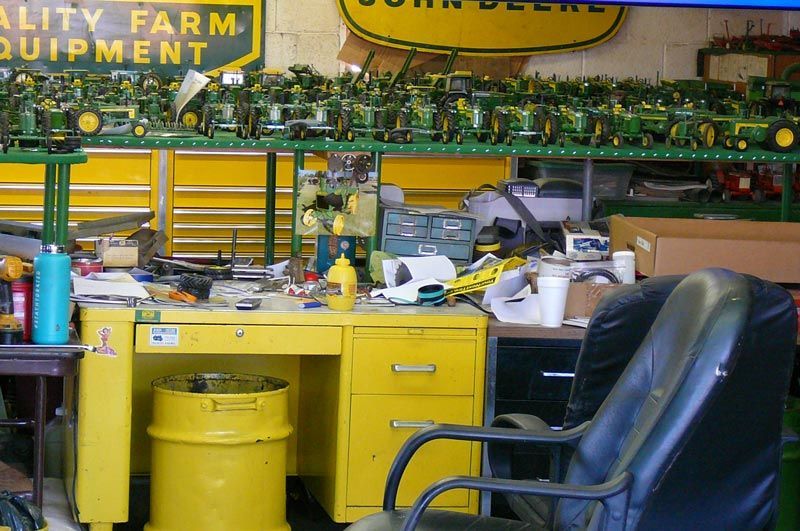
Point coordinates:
[[341, 290]]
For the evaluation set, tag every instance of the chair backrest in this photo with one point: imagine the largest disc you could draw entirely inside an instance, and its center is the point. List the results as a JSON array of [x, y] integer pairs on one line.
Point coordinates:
[[617, 328], [696, 415]]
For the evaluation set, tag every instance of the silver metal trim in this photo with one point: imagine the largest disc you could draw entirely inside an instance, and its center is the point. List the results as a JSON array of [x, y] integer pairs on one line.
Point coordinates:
[[558, 374], [416, 424], [397, 367]]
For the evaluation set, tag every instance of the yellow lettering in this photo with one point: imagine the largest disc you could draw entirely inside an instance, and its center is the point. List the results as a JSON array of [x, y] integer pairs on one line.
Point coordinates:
[[53, 49], [221, 26], [198, 50], [140, 50], [108, 54], [137, 19], [23, 49], [173, 53], [190, 21], [76, 47], [4, 19], [65, 13], [45, 18], [162, 23], [5, 49], [23, 19], [91, 20]]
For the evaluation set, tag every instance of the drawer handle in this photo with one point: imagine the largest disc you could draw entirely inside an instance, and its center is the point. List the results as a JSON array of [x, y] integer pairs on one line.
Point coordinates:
[[558, 374], [211, 405], [451, 224], [416, 424], [407, 233], [396, 367], [426, 250], [404, 220], [448, 234]]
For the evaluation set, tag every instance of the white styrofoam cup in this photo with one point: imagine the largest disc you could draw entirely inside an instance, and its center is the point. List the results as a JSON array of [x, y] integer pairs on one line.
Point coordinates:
[[552, 299]]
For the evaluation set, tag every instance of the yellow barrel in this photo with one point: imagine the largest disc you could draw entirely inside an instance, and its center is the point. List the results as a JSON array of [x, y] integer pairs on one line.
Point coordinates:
[[219, 453]]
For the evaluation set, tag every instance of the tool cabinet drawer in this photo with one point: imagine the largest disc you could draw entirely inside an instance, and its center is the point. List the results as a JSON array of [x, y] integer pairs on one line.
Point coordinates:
[[412, 220], [407, 231], [413, 366], [378, 428], [452, 223], [451, 234], [454, 251], [238, 339]]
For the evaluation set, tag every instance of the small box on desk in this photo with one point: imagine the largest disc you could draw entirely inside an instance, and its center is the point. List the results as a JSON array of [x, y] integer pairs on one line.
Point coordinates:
[[118, 253], [666, 246], [585, 240]]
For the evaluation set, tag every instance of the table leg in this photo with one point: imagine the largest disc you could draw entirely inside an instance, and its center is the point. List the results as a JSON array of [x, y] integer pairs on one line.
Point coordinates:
[[38, 439]]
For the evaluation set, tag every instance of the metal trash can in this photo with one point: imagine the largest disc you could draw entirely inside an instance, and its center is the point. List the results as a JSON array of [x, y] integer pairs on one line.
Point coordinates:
[[219, 453], [788, 507]]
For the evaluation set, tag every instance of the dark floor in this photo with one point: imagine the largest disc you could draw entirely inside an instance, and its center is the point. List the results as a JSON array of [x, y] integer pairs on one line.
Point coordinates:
[[302, 512]]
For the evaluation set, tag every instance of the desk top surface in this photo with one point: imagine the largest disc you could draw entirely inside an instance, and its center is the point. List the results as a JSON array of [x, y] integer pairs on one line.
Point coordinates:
[[511, 330]]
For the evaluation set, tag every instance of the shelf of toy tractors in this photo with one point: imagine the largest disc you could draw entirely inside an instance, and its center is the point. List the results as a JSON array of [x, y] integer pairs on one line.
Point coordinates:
[[738, 191], [433, 113]]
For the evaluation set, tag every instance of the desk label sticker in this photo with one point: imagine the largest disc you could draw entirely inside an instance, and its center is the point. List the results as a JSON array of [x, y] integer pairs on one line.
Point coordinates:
[[164, 336], [644, 244], [104, 349]]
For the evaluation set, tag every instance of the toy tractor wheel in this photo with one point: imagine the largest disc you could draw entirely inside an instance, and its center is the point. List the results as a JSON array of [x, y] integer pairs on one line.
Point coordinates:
[[139, 130], [438, 118], [509, 138], [562, 139], [150, 81], [674, 132], [498, 127], [242, 117], [481, 137], [302, 133], [782, 136], [47, 123], [380, 119], [742, 144], [309, 218], [493, 138], [189, 119], [728, 141], [459, 137], [410, 137], [647, 140], [386, 135], [708, 133], [350, 135], [402, 119], [551, 128], [668, 142], [726, 195], [5, 137], [447, 127], [89, 121], [617, 140], [601, 129], [254, 123], [343, 122], [694, 144]]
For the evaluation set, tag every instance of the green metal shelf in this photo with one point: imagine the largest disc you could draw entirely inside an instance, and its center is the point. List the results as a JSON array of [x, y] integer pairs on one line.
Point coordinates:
[[766, 211], [40, 156], [225, 140]]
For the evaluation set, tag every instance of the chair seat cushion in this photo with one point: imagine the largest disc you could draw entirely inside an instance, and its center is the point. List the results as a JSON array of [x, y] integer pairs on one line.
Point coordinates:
[[439, 521]]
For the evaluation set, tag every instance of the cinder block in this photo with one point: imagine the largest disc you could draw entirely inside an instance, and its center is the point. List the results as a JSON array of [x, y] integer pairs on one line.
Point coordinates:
[[307, 16], [680, 60], [320, 50], [281, 50], [645, 25], [270, 15]]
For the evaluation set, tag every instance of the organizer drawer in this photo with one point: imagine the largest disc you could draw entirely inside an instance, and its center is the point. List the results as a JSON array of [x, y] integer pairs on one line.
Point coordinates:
[[238, 339], [379, 426], [407, 231], [412, 220], [451, 234], [452, 223], [456, 252], [413, 366]]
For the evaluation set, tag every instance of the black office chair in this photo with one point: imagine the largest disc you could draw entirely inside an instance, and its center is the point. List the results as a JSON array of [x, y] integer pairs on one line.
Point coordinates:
[[688, 438]]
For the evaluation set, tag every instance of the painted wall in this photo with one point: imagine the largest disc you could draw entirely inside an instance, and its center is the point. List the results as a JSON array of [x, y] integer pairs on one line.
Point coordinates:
[[651, 39]]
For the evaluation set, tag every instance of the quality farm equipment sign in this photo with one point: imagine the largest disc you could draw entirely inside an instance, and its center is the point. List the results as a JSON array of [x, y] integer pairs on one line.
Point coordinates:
[[167, 36], [482, 27]]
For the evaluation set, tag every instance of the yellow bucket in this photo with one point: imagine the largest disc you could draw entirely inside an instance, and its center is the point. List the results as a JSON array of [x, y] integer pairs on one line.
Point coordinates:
[[219, 453]]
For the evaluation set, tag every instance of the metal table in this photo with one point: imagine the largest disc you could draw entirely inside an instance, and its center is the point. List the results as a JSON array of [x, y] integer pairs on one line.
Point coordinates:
[[42, 362]]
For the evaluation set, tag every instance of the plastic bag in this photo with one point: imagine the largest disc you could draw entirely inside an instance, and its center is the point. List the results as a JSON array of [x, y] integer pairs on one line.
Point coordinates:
[[19, 514]]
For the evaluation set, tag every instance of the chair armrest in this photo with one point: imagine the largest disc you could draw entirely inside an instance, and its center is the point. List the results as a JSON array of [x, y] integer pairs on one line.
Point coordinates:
[[614, 494], [467, 433], [788, 436]]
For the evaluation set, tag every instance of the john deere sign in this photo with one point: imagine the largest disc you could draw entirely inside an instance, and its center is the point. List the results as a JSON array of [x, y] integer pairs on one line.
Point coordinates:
[[101, 35], [482, 27]]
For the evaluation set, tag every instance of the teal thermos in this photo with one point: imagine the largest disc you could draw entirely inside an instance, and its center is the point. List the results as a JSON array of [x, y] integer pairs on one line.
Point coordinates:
[[51, 283]]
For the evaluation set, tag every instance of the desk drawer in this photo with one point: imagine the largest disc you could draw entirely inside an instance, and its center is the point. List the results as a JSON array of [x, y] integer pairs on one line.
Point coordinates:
[[413, 366], [374, 442], [238, 339]]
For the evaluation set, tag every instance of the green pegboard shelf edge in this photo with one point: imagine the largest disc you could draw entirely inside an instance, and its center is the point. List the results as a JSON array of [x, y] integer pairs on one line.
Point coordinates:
[[469, 148], [41, 156]]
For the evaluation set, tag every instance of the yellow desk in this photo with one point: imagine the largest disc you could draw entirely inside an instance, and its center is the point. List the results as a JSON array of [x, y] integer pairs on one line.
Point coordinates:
[[361, 383]]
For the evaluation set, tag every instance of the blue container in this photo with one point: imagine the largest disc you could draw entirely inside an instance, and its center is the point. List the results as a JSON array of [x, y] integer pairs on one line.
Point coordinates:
[[329, 248], [51, 280]]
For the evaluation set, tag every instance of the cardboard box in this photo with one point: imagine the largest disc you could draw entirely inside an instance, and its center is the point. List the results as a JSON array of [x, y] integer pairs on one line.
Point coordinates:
[[118, 253], [664, 246], [583, 297], [585, 240]]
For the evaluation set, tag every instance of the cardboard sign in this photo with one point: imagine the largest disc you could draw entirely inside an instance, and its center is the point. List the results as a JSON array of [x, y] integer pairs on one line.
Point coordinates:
[[482, 27], [100, 35]]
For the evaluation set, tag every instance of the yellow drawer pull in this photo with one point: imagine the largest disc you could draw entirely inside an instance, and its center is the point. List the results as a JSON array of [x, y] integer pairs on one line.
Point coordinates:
[[396, 367], [209, 404], [415, 424]]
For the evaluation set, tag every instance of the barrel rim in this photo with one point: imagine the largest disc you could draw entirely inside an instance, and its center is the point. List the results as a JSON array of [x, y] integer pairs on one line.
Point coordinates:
[[281, 385]]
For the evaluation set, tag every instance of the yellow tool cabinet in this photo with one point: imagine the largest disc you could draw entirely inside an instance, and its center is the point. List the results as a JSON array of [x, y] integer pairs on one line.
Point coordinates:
[[360, 383]]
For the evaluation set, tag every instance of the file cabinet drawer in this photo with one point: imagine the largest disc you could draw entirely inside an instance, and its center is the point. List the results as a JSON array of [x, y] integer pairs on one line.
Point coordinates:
[[238, 339], [413, 366], [379, 427]]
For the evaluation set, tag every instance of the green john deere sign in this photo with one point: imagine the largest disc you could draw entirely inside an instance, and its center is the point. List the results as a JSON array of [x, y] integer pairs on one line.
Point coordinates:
[[101, 35]]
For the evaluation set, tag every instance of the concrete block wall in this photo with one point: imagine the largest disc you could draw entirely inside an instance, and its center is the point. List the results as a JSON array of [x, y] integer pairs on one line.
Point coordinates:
[[651, 40]]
